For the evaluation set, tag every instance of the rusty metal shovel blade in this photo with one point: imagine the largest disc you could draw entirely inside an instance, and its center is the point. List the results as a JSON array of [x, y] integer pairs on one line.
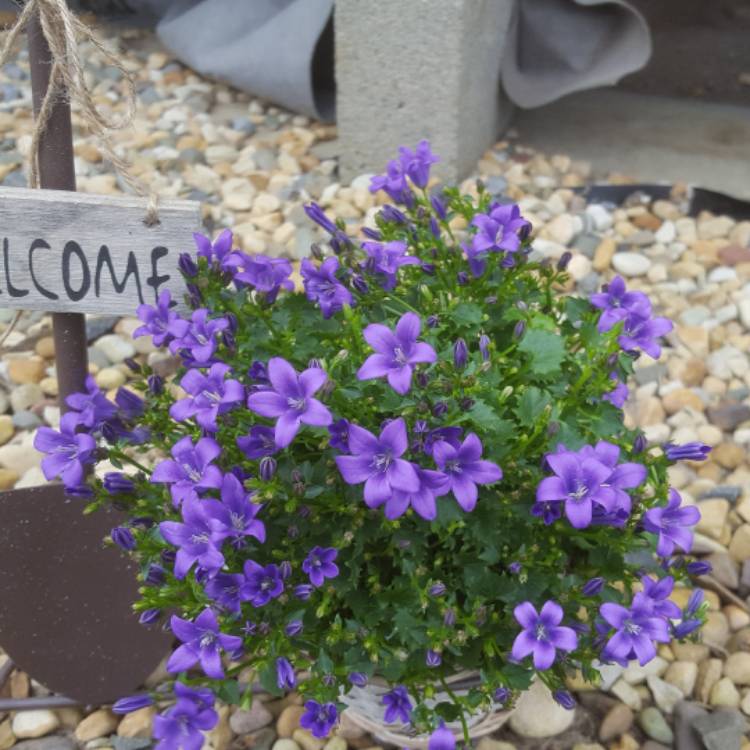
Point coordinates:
[[66, 615]]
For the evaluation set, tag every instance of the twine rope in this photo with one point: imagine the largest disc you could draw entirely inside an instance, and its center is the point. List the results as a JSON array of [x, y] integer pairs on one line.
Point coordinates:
[[62, 29]]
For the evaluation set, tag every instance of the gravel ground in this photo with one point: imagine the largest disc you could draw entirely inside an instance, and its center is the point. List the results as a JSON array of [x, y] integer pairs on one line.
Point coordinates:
[[253, 166]]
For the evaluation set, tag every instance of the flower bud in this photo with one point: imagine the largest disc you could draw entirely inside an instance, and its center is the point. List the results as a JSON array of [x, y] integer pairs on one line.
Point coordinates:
[[433, 658], [286, 569], [168, 556], [370, 233], [116, 483], [640, 444], [132, 365], [303, 591], [228, 340], [466, 404], [462, 278], [460, 354], [514, 568], [316, 251], [564, 260], [155, 384], [519, 329], [267, 468], [422, 379], [437, 589], [149, 616], [484, 346], [155, 575], [434, 227], [565, 699], [440, 409], [433, 321], [501, 695], [132, 703], [123, 538], [438, 207], [592, 587], [699, 568], [449, 618], [428, 268], [360, 284], [491, 300], [187, 265], [293, 628], [194, 297], [359, 679]]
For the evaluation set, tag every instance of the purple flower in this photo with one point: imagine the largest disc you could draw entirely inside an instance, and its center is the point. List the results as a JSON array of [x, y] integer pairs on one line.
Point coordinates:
[[202, 642], [377, 462], [636, 630], [225, 589], [672, 523], [209, 396], [396, 352], [699, 568], [322, 286], [267, 275], [261, 583], [442, 739], [318, 719], [319, 565], [432, 484], [197, 338], [220, 251], [394, 183], [501, 695], [285, 677], [181, 727], [157, 321], [132, 703], [67, 451], [498, 231], [642, 332], [198, 537], [291, 402], [542, 634], [236, 512], [484, 346], [386, 259], [657, 592], [149, 616], [91, 408], [465, 469], [687, 452], [190, 470], [437, 589], [397, 705], [293, 628], [267, 468], [260, 442], [579, 483], [123, 538], [416, 164], [619, 394], [339, 431], [617, 303], [318, 215]]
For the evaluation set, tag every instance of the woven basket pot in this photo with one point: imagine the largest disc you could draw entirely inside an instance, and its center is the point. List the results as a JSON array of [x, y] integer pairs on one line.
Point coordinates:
[[364, 707]]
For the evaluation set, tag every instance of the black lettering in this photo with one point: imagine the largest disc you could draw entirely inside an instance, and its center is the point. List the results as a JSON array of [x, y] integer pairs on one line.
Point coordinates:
[[12, 290], [70, 249], [130, 269], [155, 280], [35, 245]]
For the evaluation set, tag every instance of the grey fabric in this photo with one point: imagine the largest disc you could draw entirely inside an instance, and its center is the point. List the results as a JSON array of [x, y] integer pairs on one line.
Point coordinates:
[[555, 47], [263, 46], [271, 47]]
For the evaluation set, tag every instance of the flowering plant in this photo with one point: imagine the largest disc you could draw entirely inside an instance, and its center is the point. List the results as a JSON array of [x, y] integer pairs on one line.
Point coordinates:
[[418, 466]]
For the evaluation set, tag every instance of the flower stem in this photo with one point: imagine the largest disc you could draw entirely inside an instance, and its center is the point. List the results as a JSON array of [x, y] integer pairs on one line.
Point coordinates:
[[457, 702]]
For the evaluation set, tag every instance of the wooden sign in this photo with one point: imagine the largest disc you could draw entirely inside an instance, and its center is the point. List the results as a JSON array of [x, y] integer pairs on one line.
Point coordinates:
[[72, 252]]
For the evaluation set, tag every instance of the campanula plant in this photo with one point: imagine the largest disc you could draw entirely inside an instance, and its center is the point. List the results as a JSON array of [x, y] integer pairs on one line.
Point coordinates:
[[414, 465]]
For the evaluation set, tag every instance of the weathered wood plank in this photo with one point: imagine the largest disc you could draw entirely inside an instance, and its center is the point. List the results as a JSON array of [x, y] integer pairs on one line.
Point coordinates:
[[72, 252]]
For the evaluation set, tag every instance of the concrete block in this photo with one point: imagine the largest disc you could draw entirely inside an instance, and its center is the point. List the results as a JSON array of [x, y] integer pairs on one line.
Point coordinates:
[[413, 69]]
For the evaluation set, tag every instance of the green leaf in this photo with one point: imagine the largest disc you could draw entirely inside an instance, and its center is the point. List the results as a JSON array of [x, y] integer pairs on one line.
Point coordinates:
[[467, 314], [229, 692], [531, 404], [545, 349], [267, 677]]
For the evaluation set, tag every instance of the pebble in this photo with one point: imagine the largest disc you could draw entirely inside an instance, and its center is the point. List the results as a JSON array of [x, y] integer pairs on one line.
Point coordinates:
[[248, 721], [537, 715], [627, 694], [709, 673], [631, 264], [285, 744], [26, 370], [682, 674], [724, 694], [306, 740], [618, 720], [34, 723], [23, 397], [653, 723], [137, 723], [97, 724], [720, 730], [666, 696], [288, 720], [115, 348]]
